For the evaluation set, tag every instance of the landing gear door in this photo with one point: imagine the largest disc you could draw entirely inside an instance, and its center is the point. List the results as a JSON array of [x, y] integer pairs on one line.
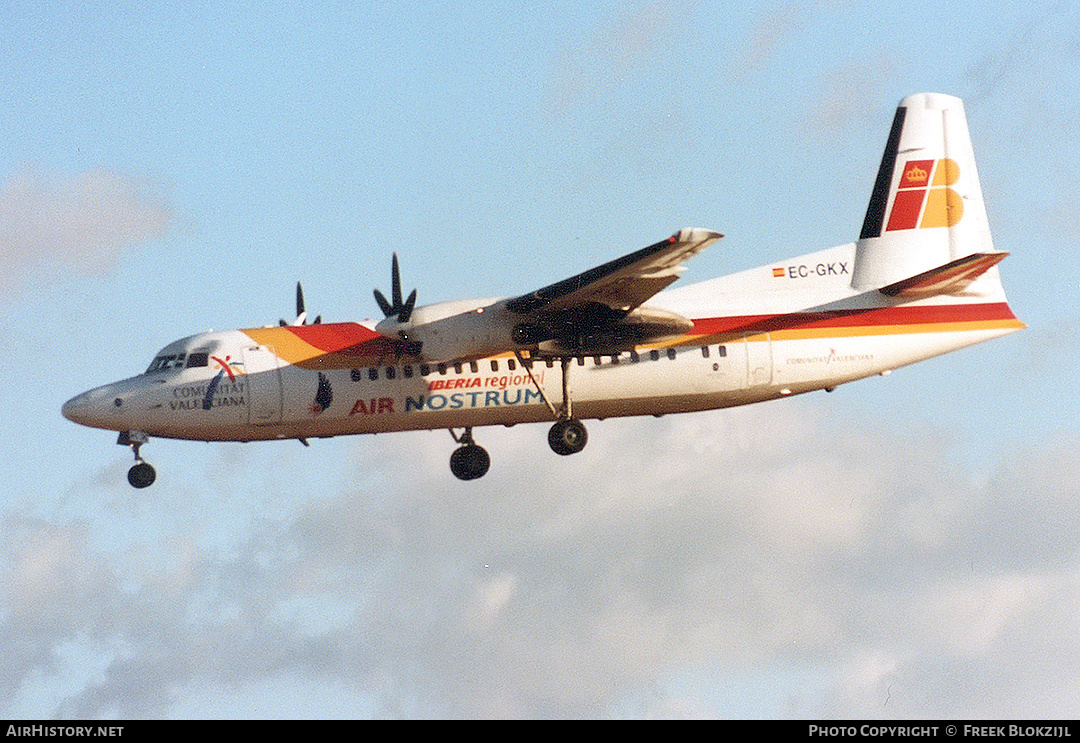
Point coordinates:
[[263, 384]]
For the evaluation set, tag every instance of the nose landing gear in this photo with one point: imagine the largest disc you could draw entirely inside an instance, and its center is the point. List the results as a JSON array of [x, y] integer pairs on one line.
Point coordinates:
[[141, 475]]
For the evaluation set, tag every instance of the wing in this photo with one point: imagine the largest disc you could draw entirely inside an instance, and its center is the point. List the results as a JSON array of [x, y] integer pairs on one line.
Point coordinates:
[[622, 284]]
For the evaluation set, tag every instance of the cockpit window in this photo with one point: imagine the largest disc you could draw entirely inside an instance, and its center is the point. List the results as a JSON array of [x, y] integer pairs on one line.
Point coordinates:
[[198, 358], [168, 361]]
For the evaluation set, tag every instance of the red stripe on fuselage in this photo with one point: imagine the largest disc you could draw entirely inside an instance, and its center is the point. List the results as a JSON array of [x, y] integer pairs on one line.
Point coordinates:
[[869, 317], [342, 337]]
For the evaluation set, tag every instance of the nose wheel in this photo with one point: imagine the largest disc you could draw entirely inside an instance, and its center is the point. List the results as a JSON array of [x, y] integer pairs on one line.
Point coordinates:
[[141, 475]]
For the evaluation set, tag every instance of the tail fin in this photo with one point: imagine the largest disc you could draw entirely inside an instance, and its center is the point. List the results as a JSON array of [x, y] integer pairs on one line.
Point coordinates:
[[927, 207]]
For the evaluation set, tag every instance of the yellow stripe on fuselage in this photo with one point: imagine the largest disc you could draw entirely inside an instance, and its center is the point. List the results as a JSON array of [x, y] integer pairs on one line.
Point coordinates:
[[288, 346]]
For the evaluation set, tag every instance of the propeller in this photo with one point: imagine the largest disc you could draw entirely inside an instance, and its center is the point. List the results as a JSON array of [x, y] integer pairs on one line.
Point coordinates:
[[399, 311], [301, 313], [403, 310]]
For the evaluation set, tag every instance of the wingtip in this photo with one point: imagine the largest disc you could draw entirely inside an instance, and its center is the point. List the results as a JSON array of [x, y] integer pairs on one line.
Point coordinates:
[[695, 234]]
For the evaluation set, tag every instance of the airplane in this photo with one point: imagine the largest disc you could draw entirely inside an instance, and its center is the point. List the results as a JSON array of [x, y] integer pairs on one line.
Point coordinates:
[[921, 280]]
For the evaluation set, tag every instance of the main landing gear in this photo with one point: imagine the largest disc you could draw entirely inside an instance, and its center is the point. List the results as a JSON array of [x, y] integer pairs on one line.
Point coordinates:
[[141, 475], [566, 436], [470, 460]]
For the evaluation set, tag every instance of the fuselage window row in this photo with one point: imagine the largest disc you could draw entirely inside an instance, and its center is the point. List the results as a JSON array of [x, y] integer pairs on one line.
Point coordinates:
[[407, 371]]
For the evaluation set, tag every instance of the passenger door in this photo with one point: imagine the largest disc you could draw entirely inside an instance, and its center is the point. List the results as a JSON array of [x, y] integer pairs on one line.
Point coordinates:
[[263, 385]]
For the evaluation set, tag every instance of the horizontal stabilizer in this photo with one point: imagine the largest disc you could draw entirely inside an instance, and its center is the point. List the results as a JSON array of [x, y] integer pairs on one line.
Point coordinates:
[[950, 278]]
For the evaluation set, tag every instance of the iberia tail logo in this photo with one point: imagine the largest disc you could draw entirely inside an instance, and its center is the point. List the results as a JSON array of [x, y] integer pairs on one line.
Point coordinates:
[[924, 197]]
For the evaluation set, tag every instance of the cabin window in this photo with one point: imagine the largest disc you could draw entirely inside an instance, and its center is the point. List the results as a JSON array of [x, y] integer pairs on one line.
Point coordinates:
[[671, 353], [198, 358], [373, 373], [407, 371], [457, 368], [634, 358], [425, 369], [495, 365], [705, 352], [390, 372], [722, 350], [654, 355], [473, 367], [511, 365], [550, 362], [355, 375]]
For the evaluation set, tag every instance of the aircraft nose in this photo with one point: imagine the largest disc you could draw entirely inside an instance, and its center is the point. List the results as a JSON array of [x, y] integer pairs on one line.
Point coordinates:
[[76, 409], [102, 407]]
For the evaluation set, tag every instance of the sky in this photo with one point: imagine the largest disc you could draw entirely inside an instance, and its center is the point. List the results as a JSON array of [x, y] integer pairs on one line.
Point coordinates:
[[905, 547]]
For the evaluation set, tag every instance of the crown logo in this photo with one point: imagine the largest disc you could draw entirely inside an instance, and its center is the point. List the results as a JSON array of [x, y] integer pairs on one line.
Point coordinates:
[[915, 174]]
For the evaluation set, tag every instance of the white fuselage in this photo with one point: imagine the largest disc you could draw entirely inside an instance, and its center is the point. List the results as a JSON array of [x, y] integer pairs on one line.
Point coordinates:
[[766, 333]]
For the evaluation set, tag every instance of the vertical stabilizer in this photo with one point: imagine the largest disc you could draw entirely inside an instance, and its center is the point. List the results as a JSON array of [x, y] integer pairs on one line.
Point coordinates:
[[927, 207]]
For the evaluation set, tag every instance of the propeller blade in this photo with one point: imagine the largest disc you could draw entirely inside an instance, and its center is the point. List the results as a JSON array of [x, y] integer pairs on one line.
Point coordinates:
[[407, 308], [395, 282], [385, 306], [301, 313]]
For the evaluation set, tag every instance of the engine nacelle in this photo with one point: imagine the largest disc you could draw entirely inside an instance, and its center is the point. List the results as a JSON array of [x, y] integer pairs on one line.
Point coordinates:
[[454, 330]]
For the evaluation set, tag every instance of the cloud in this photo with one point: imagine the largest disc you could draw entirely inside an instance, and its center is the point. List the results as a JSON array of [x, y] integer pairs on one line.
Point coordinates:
[[843, 568], [1023, 50], [774, 29], [607, 59], [85, 221], [841, 100]]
